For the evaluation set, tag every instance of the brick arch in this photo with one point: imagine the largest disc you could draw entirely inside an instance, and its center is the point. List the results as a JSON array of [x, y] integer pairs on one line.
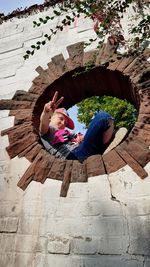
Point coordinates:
[[125, 77]]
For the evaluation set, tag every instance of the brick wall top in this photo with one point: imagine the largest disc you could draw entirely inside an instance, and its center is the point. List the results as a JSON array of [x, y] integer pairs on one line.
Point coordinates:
[[19, 13]]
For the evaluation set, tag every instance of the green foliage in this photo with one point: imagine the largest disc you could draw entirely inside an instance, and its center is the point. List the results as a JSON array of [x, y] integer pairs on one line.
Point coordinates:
[[106, 15], [124, 112]]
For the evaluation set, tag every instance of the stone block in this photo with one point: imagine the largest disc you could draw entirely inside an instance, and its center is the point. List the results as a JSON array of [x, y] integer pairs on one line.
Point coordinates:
[[52, 260], [31, 35], [111, 208], [4, 141], [28, 225], [39, 260], [139, 246], [7, 243], [26, 243], [6, 123], [50, 190], [58, 244], [49, 208], [63, 226], [85, 261], [109, 261], [139, 226], [32, 208], [84, 246], [9, 208], [9, 225], [92, 208], [4, 167], [84, 24], [8, 189], [9, 44], [83, 226], [8, 95], [99, 188], [33, 195], [10, 69], [8, 62], [140, 207], [106, 226], [23, 259], [146, 263], [78, 190], [11, 54], [7, 260], [75, 208], [41, 245], [104, 208], [12, 29], [139, 229], [116, 245], [4, 113], [3, 154]]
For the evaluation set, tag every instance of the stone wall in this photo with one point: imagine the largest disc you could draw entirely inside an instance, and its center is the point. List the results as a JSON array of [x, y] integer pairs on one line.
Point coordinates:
[[103, 223]]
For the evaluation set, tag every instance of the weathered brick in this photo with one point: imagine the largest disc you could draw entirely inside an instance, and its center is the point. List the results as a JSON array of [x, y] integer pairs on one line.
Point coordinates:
[[84, 246], [9, 224], [58, 244], [113, 161]]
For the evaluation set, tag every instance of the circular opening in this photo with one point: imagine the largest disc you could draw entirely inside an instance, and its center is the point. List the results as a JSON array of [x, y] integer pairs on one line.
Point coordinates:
[[78, 85]]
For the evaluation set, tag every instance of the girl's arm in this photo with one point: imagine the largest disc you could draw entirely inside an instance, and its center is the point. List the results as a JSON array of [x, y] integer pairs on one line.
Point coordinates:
[[45, 119], [47, 113]]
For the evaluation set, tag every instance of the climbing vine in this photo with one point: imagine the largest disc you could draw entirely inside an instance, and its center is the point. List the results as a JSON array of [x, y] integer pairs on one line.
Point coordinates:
[[107, 18]]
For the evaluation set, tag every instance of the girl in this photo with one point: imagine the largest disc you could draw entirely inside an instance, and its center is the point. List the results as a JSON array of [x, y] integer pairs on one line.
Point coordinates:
[[60, 142]]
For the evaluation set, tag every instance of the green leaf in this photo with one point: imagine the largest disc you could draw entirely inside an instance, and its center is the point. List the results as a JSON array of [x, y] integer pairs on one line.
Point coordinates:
[[43, 42], [40, 19], [26, 56], [28, 52], [56, 13], [68, 17]]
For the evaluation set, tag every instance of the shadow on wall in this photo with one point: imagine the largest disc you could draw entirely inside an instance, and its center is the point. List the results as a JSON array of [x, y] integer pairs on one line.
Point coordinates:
[[139, 227]]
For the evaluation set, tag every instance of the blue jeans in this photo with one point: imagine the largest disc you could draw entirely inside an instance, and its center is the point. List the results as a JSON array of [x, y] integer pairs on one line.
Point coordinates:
[[93, 140]]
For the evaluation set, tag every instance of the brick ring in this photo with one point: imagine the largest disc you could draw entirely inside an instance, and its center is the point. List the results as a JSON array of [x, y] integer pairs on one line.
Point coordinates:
[[124, 77]]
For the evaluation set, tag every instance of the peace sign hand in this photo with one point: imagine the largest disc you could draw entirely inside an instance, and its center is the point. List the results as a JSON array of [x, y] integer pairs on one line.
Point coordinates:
[[51, 106]]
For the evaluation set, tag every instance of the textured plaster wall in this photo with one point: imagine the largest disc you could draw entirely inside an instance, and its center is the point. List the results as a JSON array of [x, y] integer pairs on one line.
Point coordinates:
[[102, 223]]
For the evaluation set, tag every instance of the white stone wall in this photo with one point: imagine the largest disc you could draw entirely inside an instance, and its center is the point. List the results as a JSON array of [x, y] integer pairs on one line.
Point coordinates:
[[102, 223]]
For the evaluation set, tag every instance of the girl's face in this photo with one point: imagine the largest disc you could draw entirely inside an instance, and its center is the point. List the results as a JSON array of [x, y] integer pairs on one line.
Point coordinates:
[[58, 121]]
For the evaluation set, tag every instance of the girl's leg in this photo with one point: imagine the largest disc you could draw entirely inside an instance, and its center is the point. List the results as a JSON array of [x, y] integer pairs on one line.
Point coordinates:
[[107, 135], [99, 133]]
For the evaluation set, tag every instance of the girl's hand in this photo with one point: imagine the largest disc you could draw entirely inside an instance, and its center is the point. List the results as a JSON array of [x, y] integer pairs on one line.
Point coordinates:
[[51, 106], [79, 138]]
